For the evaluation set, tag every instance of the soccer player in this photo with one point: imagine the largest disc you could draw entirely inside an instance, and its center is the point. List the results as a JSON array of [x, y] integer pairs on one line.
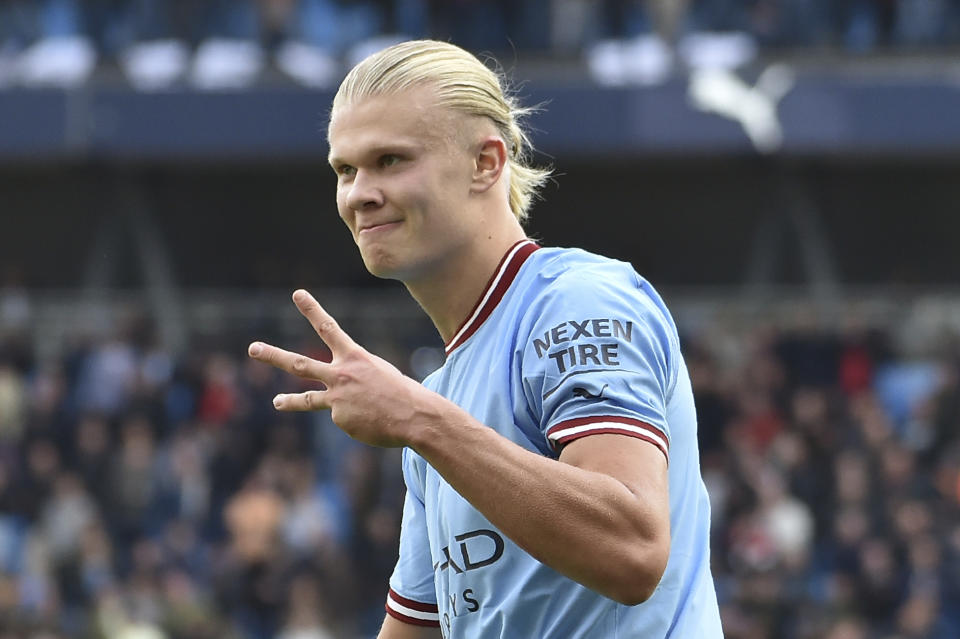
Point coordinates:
[[553, 480]]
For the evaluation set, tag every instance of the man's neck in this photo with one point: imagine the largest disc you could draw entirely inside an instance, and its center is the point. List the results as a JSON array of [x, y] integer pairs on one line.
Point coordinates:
[[451, 292]]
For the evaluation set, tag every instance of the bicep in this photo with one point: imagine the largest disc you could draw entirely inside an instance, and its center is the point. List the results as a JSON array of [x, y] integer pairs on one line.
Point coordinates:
[[635, 463], [396, 629], [629, 481]]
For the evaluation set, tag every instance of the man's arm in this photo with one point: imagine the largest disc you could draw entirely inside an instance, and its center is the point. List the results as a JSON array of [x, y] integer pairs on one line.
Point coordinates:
[[395, 629], [599, 515]]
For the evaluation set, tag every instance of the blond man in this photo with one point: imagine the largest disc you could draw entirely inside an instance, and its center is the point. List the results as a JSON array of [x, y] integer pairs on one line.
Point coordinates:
[[553, 480]]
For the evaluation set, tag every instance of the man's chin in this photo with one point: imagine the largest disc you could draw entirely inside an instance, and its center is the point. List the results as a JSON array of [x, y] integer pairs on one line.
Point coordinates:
[[383, 268]]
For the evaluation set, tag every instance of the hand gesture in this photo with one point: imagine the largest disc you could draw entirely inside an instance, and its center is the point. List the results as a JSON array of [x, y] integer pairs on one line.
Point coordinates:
[[368, 398]]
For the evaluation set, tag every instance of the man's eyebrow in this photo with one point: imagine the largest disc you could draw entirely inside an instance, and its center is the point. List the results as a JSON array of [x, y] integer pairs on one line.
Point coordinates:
[[380, 149]]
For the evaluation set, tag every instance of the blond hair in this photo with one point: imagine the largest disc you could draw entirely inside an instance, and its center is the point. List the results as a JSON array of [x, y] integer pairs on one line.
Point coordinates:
[[462, 83]]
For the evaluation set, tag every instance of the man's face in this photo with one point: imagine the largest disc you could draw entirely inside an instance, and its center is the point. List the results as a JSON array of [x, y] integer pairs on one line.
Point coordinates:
[[403, 180]]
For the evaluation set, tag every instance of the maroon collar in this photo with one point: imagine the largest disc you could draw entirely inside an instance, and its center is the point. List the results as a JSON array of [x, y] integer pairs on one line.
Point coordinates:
[[502, 277]]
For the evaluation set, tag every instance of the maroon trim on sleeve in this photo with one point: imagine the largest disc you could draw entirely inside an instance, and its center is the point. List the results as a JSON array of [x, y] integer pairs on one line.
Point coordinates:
[[429, 618], [564, 432]]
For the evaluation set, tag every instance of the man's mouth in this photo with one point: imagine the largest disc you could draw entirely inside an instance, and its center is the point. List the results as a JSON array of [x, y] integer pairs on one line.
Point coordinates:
[[382, 226]]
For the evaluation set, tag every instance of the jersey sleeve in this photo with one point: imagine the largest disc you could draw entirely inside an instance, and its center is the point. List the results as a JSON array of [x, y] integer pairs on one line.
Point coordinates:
[[412, 597], [600, 357]]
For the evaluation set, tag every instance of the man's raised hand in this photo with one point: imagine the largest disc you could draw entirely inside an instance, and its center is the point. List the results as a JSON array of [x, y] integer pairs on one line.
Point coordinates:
[[369, 398]]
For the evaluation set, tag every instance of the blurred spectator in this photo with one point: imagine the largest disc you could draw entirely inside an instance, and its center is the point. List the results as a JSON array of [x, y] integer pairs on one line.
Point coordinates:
[[13, 405], [107, 378], [133, 480], [847, 628], [304, 616], [66, 516], [308, 521], [251, 575]]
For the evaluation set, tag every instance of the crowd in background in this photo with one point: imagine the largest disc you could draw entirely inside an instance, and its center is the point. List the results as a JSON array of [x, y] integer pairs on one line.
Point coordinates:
[[832, 464], [146, 495], [230, 42]]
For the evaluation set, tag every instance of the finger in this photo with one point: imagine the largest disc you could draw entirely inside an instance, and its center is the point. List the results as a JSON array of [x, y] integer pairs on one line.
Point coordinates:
[[293, 363], [323, 323], [308, 400]]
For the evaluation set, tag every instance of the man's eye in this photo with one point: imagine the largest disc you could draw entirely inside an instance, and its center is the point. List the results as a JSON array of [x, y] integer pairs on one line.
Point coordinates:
[[345, 169], [389, 160]]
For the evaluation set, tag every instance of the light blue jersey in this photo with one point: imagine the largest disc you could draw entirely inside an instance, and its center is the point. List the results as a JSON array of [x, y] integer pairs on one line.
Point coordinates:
[[563, 344]]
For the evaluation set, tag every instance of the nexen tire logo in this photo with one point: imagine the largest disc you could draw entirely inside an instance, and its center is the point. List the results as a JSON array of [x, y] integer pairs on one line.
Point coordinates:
[[478, 548], [587, 352]]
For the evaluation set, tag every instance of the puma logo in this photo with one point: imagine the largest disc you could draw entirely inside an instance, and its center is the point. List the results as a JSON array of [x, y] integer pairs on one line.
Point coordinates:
[[579, 391], [754, 107]]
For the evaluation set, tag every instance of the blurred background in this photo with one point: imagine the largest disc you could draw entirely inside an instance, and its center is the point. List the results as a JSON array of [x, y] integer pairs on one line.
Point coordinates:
[[784, 171]]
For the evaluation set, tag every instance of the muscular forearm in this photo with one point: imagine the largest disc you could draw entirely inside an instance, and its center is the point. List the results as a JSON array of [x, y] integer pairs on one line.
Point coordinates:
[[586, 524]]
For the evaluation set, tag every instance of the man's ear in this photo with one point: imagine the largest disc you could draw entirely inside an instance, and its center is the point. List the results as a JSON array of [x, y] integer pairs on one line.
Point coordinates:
[[490, 162]]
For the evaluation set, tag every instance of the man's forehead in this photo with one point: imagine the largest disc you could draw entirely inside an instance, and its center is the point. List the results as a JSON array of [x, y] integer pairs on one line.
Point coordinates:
[[400, 119]]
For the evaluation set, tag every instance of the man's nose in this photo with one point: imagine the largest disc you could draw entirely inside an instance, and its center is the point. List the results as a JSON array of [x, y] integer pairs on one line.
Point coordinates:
[[364, 192]]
